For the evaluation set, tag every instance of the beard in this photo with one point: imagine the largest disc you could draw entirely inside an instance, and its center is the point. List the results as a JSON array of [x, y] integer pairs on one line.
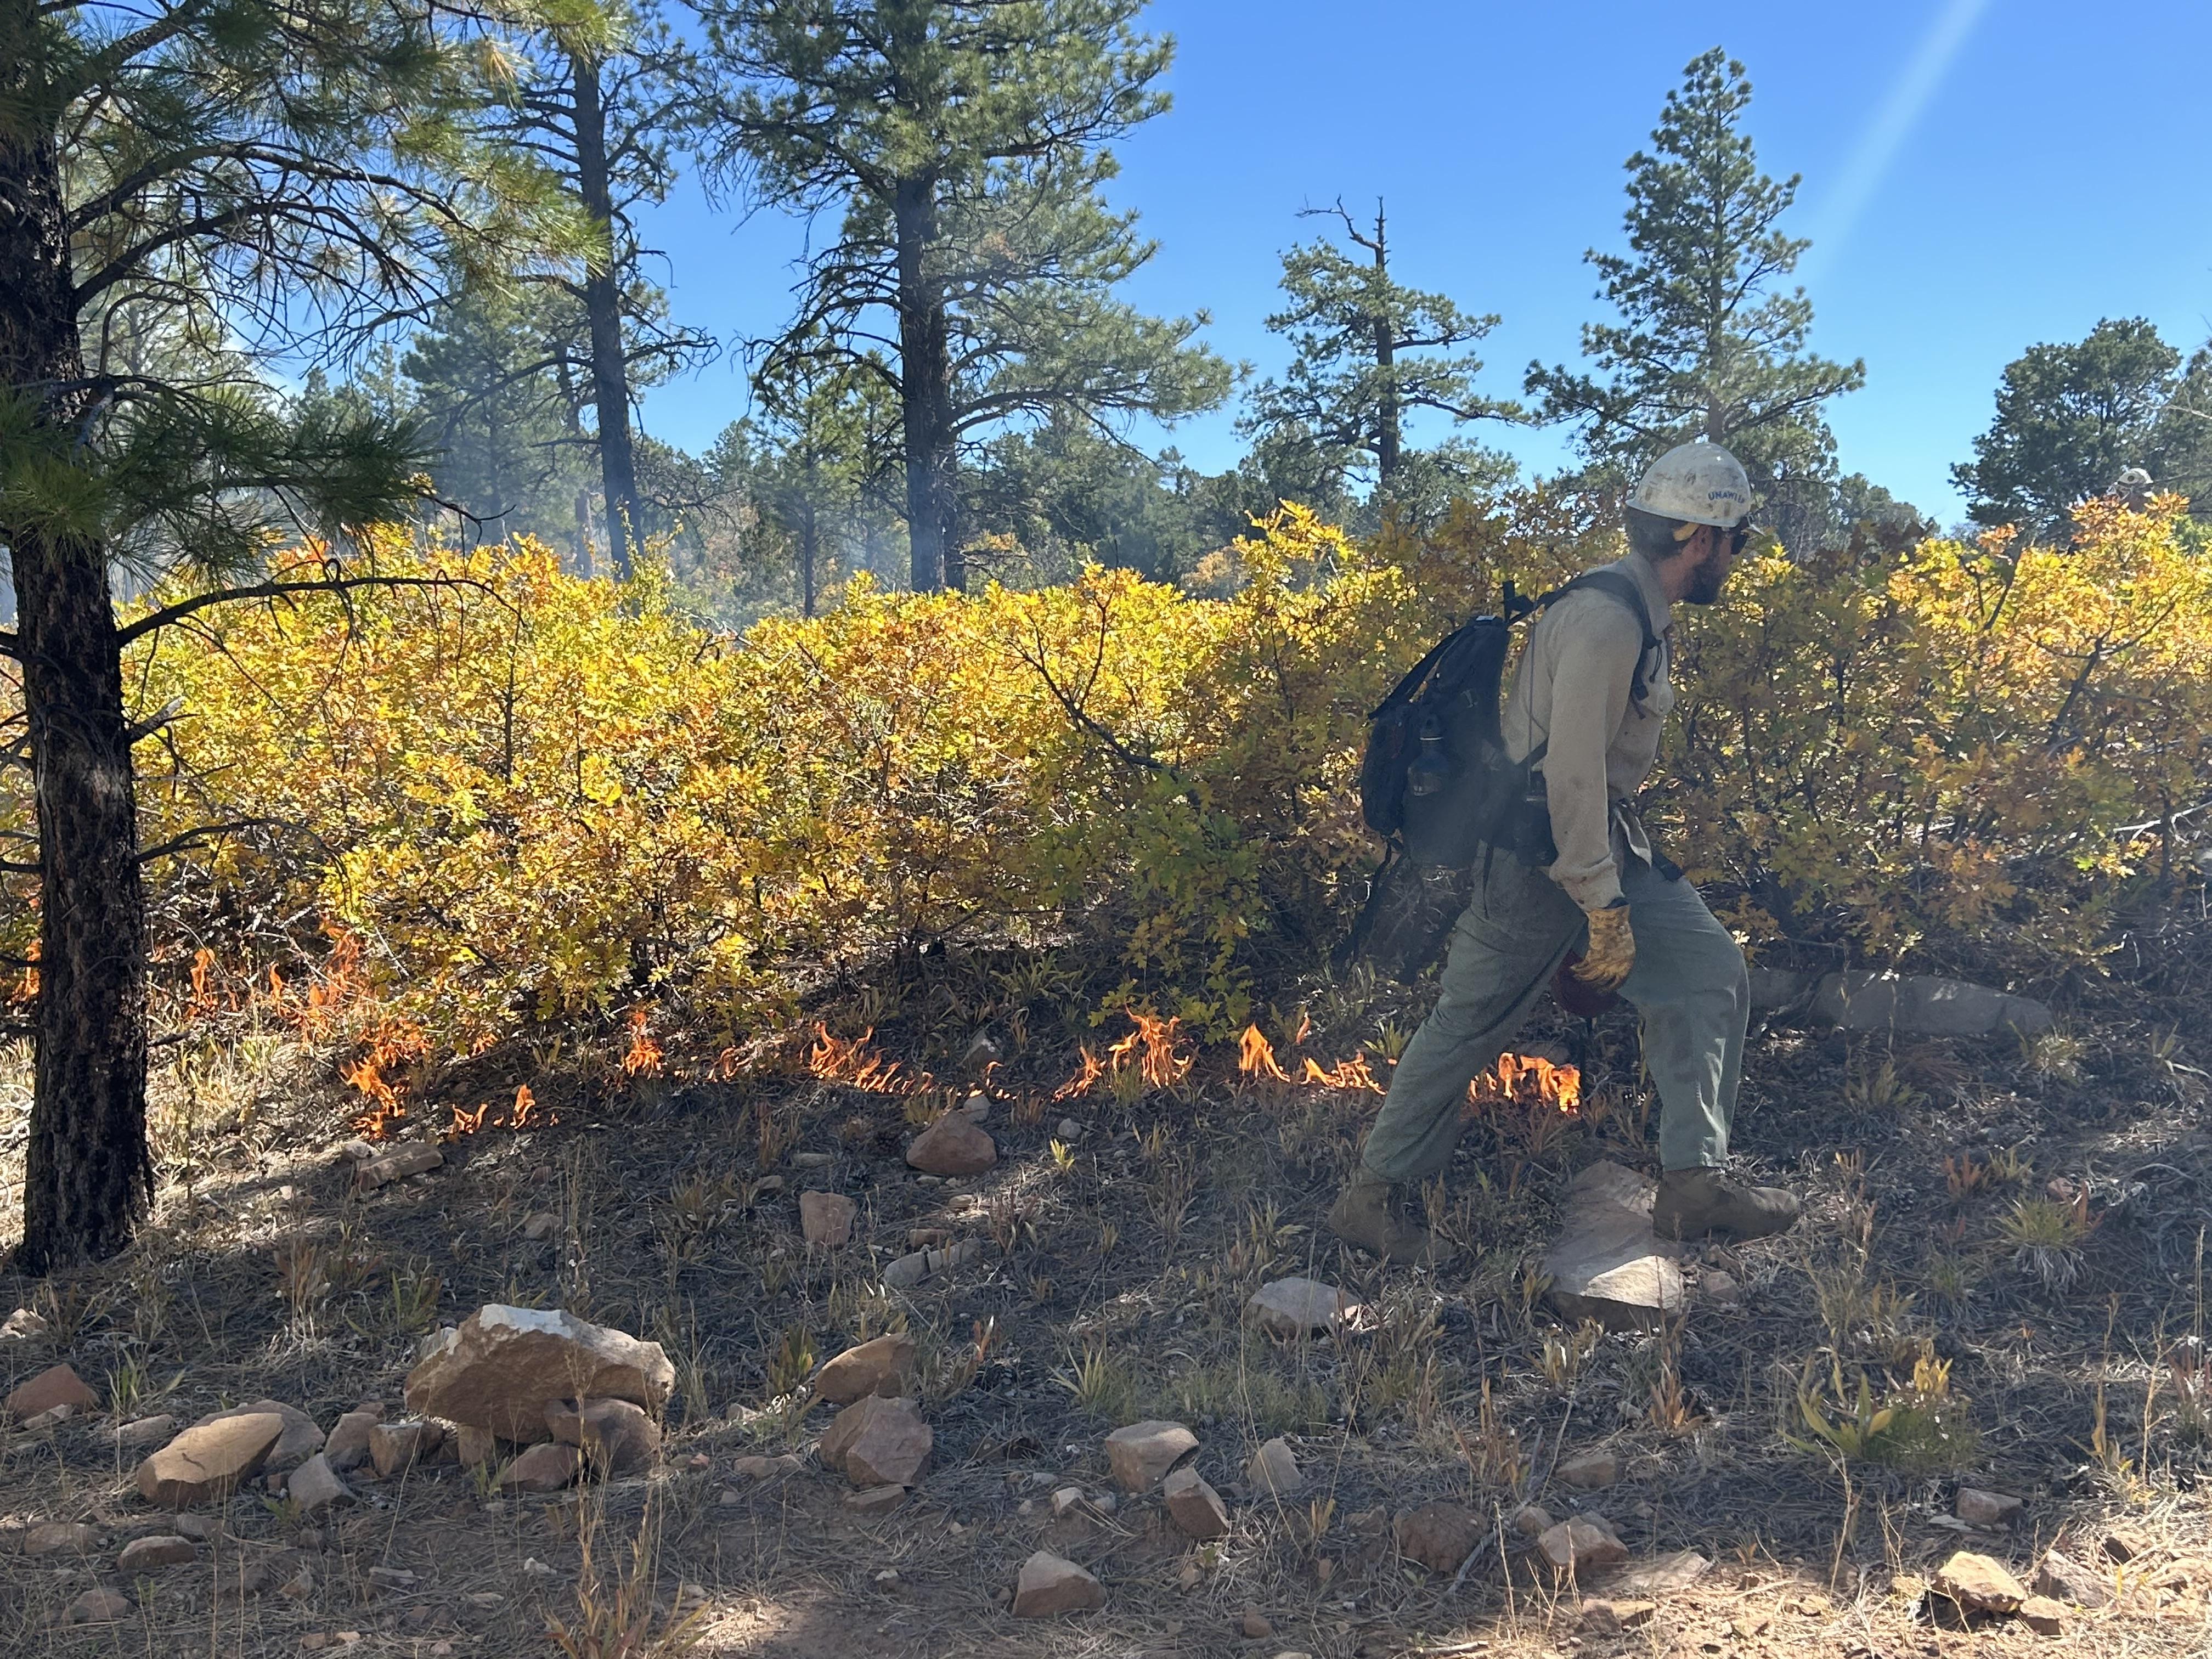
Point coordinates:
[[1710, 576]]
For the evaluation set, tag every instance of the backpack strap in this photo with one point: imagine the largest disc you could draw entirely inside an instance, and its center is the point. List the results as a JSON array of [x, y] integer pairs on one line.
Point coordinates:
[[1623, 589]]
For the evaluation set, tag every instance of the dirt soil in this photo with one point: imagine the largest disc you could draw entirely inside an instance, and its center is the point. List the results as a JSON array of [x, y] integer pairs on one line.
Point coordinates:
[[2004, 1238]]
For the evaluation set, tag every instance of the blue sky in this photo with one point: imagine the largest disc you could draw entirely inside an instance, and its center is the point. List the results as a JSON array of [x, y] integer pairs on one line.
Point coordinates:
[[1978, 175]]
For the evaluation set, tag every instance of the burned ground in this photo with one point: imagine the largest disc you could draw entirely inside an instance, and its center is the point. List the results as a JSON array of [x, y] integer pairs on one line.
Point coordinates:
[[2004, 1238]]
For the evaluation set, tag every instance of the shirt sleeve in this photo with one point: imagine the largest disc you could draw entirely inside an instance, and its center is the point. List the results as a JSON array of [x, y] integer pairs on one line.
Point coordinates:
[[1596, 646]]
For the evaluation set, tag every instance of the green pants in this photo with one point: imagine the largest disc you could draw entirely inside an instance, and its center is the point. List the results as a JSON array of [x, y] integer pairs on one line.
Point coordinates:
[[1688, 984]]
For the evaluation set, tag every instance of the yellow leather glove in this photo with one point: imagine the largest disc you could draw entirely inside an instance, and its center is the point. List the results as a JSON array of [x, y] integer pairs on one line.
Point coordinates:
[[1611, 950]]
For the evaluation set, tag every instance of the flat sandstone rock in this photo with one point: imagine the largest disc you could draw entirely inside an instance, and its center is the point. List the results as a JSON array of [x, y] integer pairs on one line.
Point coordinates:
[[500, 1365], [879, 1365], [1291, 1308], [1050, 1585], [1140, 1455], [209, 1462], [953, 1146], [1605, 1264]]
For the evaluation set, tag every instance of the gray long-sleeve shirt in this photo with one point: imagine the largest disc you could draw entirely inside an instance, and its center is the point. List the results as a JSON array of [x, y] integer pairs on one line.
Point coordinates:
[[1573, 688]]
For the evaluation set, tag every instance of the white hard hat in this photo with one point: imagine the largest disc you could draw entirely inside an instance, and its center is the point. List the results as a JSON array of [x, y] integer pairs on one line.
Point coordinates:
[[1697, 483]]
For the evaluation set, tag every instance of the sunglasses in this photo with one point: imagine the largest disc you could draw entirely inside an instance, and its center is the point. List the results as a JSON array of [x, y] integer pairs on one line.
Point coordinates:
[[1738, 538]]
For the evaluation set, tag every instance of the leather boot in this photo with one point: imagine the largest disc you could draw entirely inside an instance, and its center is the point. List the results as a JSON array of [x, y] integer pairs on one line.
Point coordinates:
[[1698, 1203], [1363, 1215]]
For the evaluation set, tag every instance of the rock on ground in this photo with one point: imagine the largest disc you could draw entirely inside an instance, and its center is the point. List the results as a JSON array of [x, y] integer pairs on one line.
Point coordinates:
[[882, 1364], [1439, 1536], [1139, 1455], [59, 1538], [99, 1606], [537, 1229], [315, 1486], [1532, 1521], [1051, 1584], [908, 1271], [875, 1500], [1979, 1584], [300, 1440], [758, 1467], [476, 1448], [394, 1447], [347, 1448], [26, 1326], [1986, 1509], [1662, 1574], [878, 1442], [1580, 1545], [396, 1165], [1194, 1506], [956, 1145], [145, 1431], [57, 1385], [1291, 1308], [209, 1461], [615, 1437], [1591, 1471], [1610, 1617], [500, 1366], [2043, 1615], [1606, 1264], [2062, 1578], [547, 1467], [1274, 1468], [826, 1218], [147, 1554]]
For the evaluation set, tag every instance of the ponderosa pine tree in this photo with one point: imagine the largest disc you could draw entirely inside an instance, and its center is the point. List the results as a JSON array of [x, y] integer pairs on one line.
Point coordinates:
[[1706, 344], [274, 177], [964, 143], [1369, 351], [2071, 417], [817, 475], [605, 96]]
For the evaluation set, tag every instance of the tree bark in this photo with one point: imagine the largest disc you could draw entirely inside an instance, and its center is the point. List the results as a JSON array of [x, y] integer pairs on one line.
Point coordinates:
[[1388, 440], [926, 395], [810, 544], [603, 311], [88, 1176], [584, 534]]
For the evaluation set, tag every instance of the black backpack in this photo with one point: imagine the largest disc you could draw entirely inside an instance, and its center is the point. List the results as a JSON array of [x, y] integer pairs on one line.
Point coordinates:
[[1435, 782]]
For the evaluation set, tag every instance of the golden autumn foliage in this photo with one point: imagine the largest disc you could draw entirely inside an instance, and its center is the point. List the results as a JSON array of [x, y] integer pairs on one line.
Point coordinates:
[[525, 796]]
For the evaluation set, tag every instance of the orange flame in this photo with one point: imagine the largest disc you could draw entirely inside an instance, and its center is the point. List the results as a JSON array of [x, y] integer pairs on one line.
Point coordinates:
[[1080, 1083], [857, 1066], [339, 981], [645, 1053], [1531, 1080], [1352, 1074], [393, 1039], [526, 1114], [1164, 1061], [1255, 1057]]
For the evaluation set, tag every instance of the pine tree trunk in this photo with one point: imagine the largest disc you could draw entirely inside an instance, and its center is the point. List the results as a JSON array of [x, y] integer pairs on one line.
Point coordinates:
[[88, 1174], [584, 534], [926, 395], [1388, 439], [603, 310], [810, 544]]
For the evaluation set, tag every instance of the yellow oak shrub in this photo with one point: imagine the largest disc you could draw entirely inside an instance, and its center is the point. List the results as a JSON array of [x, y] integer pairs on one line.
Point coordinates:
[[526, 796]]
